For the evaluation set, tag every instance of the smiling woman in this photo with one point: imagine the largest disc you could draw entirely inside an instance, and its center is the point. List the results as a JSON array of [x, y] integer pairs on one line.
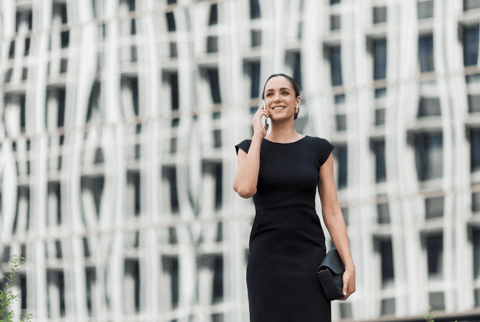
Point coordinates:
[[287, 243]]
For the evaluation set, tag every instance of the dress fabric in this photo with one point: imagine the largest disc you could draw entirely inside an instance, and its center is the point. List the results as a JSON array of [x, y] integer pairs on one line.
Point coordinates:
[[287, 243]]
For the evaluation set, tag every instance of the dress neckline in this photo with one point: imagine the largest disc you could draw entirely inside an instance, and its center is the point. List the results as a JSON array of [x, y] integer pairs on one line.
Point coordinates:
[[287, 142]]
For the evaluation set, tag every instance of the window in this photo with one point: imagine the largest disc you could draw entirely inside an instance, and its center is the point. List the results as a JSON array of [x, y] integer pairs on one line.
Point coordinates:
[[171, 82], [471, 4], [130, 97], [92, 191], [476, 253], [94, 109], [170, 21], [334, 1], [256, 38], [429, 156], [474, 150], [470, 46], [170, 177], [379, 14], [212, 44], [133, 193], [213, 18], [213, 79], [55, 293], [294, 61], [429, 106], [341, 154], [90, 279], [212, 171], [425, 54], [388, 306], [171, 274], [383, 213], [476, 202], [55, 107], [387, 269], [380, 59], [54, 204], [252, 72], [473, 103], [434, 245], [335, 65], [335, 22], [379, 151], [434, 207], [132, 286], [425, 9], [254, 9]]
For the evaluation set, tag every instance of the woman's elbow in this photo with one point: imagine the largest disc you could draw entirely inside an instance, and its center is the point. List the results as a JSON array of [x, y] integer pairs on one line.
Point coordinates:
[[245, 193]]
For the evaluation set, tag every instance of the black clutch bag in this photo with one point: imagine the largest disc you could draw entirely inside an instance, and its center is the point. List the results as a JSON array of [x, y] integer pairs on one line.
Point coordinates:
[[330, 273]]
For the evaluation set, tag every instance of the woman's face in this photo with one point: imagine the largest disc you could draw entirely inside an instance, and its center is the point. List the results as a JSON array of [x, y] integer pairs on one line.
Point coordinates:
[[280, 99]]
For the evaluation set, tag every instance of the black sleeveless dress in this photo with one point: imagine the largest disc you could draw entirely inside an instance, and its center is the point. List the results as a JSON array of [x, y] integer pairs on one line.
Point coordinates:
[[287, 243]]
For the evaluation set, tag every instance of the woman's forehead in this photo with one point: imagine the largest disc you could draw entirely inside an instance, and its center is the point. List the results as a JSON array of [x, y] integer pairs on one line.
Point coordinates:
[[278, 82]]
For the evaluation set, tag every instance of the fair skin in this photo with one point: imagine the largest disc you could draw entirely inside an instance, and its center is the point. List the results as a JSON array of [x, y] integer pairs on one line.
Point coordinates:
[[281, 106]]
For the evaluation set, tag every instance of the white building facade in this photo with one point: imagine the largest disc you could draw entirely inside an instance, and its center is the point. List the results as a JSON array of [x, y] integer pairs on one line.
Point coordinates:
[[117, 159]]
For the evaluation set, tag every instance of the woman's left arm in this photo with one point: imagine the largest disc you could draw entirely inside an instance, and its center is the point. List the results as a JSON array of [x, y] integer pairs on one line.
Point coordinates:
[[332, 215]]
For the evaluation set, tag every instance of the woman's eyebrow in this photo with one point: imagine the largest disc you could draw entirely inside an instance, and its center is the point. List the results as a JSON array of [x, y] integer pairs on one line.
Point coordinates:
[[271, 89]]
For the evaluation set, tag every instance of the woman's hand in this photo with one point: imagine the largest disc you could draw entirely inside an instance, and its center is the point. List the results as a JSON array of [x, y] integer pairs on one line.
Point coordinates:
[[348, 283], [257, 122]]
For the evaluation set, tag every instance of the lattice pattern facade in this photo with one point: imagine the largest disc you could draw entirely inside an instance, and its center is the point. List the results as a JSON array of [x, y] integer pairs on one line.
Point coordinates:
[[119, 120]]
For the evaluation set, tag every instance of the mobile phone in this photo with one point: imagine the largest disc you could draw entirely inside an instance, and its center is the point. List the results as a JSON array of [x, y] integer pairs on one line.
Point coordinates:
[[264, 118]]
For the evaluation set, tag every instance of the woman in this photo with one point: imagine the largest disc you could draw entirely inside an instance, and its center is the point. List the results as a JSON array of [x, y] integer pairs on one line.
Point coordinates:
[[281, 171]]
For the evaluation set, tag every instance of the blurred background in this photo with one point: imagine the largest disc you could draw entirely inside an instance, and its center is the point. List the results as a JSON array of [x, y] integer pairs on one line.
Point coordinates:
[[118, 125]]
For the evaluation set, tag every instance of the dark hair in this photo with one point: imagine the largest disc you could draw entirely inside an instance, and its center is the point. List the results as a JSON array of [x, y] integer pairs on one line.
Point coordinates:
[[290, 80]]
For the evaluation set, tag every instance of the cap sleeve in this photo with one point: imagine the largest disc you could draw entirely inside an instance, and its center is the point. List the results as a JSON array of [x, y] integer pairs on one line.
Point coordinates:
[[244, 145], [325, 148]]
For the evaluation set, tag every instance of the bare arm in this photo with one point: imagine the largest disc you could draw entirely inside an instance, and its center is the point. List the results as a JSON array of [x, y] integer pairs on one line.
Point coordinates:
[[332, 215], [245, 183]]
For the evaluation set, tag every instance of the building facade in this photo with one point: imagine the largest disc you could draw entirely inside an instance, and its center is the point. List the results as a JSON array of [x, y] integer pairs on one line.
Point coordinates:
[[117, 159]]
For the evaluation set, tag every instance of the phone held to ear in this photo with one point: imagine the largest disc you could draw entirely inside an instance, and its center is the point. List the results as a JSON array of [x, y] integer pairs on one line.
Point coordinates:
[[264, 118]]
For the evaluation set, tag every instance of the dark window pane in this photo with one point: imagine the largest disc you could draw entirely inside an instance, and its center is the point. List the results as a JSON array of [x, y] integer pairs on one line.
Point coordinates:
[[341, 121], [173, 49], [429, 156], [429, 107], [335, 22], [437, 301], [339, 99], [425, 54], [217, 294], [342, 166], [212, 44], [379, 14], [334, 1], [476, 253], [434, 207], [471, 4], [473, 103], [435, 256], [65, 38], [174, 91], [474, 150], [335, 65], [380, 59], [387, 270], [425, 9], [379, 150], [170, 21], [388, 306], [254, 9], [380, 116], [476, 202], [11, 52], [297, 69], [470, 46], [27, 46], [256, 38], [252, 69], [212, 75], [213, 19], [383, 213]]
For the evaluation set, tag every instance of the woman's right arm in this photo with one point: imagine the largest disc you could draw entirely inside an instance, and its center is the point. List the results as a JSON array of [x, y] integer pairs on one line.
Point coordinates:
[[245, 183]]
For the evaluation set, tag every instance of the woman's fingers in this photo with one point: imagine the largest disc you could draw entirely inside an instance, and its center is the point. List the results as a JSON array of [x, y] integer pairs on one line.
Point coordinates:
[[348, 284]]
